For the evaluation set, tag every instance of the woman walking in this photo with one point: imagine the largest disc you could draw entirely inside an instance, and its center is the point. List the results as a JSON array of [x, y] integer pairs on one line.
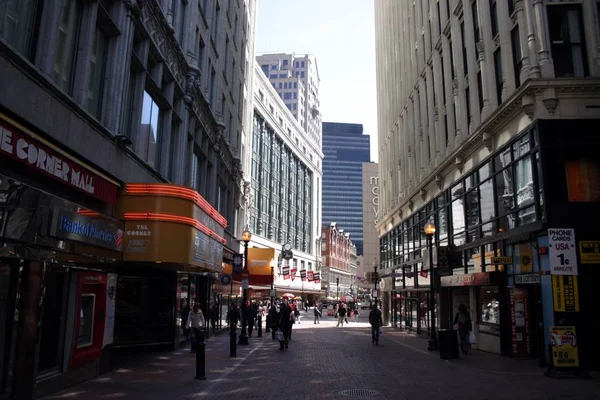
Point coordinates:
[[195, 322]]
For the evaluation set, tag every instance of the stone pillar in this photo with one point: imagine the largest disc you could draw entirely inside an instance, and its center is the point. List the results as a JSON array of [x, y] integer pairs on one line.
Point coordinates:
[[532, 47], [521, 20], [541, 24], [485, 50]]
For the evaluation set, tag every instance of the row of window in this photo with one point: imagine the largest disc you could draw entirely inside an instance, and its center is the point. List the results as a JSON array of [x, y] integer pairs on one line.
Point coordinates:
[[501, 194], [281, 208]]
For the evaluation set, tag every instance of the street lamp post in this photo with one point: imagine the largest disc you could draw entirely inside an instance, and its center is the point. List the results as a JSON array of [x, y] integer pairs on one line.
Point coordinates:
[[375, 277], [246, 236], [337, 284], [433, 342]]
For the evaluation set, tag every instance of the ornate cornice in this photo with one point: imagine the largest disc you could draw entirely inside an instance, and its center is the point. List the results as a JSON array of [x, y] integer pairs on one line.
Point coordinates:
[[186, 76]]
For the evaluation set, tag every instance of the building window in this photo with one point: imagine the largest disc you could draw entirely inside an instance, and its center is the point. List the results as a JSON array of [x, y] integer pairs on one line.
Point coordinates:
[[476, 30], [66, 45], [516, 52], [287, 96], [97, 69], [265, 69], [20, 27], [149, 132], [568, 42], [494, 17]]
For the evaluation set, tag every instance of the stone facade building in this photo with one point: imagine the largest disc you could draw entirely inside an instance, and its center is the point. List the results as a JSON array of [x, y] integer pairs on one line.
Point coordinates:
[[486, 111], [101, 100]]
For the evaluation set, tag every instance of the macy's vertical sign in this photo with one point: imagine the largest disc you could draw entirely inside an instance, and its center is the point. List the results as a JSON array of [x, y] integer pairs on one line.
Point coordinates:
[[374, 181], [26, 150]]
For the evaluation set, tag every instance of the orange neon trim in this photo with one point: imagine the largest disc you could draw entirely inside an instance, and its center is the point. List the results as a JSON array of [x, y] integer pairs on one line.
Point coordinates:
[[177, 219], [157, 189]]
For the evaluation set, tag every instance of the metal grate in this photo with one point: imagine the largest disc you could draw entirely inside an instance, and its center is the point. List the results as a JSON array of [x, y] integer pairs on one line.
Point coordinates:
[[358, 392]]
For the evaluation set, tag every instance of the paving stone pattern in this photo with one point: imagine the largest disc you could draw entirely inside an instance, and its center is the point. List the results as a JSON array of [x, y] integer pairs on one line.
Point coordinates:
[[323, 362]]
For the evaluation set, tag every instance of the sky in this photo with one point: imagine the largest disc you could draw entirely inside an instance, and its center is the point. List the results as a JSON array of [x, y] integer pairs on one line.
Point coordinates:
[[341, 34]]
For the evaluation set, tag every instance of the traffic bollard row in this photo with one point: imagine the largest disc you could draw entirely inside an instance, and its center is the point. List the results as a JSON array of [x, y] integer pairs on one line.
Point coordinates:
[[200, 356]]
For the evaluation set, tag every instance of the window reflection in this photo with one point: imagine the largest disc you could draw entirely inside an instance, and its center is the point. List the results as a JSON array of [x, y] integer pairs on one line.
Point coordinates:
[[149, 131], [524, 182], [490, 304]]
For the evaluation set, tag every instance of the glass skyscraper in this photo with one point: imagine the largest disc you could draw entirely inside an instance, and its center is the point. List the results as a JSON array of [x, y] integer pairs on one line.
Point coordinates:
[[345, 148]]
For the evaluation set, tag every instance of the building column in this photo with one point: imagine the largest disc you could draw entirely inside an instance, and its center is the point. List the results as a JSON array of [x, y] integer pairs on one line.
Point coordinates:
[[521, 20], [509, 85], [541, 24], [485, 50], [440, 148], [532, 47], [431, 130]]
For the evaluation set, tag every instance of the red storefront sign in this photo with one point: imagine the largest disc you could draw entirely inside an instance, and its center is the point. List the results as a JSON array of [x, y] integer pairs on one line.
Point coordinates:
[[310, 276], [27, 150]]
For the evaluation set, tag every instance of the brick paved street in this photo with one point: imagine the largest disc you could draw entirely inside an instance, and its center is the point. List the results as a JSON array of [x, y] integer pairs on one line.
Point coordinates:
[[322, 361]]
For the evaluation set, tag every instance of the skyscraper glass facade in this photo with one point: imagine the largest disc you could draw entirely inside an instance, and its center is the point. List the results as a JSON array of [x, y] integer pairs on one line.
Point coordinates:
[[281, 205], [345, 148]]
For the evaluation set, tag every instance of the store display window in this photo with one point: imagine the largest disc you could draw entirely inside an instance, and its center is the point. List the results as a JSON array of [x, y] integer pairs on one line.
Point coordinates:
[[489, 300]]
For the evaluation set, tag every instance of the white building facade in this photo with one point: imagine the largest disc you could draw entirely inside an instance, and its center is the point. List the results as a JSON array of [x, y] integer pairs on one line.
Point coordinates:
[[285, 190], [485, 114], [296, 80]]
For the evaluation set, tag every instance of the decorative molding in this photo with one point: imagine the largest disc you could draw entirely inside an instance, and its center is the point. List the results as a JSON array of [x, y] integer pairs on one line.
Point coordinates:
[[423, 194], [528, 106], [133, 8], [480, 50], [487, 140], [458, 163], [439, 182], [551, 104]]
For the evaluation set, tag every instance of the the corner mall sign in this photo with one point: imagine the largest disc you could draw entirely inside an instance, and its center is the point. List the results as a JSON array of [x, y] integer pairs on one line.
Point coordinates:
[[25, 149]]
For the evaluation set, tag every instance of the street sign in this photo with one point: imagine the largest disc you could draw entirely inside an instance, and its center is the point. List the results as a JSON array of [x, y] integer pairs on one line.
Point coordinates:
[[564, 346], [244, 283], [527, 279], [562, 250], [272, 292], [501, 260], [375, 293], [589, 251]]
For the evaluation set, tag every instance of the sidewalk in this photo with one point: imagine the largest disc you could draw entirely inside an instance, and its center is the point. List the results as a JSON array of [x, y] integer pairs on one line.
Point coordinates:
[[476, 359], [166, 374]]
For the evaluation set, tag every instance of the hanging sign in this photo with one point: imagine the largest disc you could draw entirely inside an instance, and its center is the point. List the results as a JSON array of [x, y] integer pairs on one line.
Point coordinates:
[[310, 276], [286, 271], [564, 346], [565, 293], [303, 274], [563, 253], [293, 273], [317, 277]]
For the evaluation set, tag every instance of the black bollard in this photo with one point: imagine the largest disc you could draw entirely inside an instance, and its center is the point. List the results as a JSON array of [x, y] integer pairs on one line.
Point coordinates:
[[267, 324], [259, 326], [232, 342], [200, 356]]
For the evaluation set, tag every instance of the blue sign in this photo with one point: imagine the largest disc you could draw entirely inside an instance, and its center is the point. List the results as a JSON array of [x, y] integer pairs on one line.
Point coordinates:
[[98, 232]]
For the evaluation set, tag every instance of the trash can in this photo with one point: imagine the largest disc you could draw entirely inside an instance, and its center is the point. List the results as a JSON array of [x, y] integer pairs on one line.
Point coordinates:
[[448, 342]]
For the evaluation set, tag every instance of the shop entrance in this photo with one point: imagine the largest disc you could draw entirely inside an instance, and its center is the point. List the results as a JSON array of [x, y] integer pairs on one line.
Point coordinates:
[[51, 346]]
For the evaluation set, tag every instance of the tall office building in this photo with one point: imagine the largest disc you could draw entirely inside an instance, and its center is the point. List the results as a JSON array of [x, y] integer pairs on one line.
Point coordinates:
[[345, 148], [296, 80], [121, 131], [285, 192], [487, 134]]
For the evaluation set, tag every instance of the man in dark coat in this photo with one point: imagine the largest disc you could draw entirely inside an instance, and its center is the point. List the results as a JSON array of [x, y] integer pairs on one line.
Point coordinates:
[[273, 319], [285, 323]]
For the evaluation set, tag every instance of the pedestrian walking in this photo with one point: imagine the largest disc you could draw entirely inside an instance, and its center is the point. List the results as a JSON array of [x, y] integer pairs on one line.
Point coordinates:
[[376, 324], [465, 326], [195, 322], [341, 314], [250, 318], [233, 316], [355, 314], [274, 320], [285, 324], [297, 315], [318, 313], [214, 316]]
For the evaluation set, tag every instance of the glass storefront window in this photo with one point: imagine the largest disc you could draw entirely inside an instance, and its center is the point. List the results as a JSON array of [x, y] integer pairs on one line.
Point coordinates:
[[473, 208], [524, 182], [504, 191], [489, 299], [458, 216], [442, 223], [474, 260], [485, 171], [486, 194]]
